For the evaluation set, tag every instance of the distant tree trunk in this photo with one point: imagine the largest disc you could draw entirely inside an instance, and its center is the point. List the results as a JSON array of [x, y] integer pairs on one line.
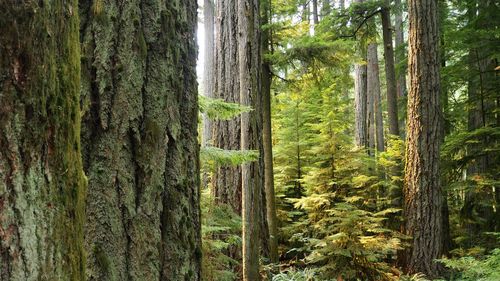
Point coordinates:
[[423, 195], [209, 66], [267, 138], [400, 51], [139, 136], [315, 12], [227, 180], [250, 86], [42, 185], [390, 71], [360, 100], [362, 104], [375, 122]]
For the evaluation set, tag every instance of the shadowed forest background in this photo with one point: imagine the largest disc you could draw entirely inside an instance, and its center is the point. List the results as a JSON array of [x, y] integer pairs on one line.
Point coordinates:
[[313, 140]]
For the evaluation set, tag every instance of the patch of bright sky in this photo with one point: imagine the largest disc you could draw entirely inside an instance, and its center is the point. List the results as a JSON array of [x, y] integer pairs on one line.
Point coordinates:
[[200, 38]]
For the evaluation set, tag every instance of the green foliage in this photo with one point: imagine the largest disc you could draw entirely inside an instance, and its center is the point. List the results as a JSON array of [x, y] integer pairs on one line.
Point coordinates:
[[218, 109], [220, 231], [469, 268], [296, 275], [352, 242], [213, 157]]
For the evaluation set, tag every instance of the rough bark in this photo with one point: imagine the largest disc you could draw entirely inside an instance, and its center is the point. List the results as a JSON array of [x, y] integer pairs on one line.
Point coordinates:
[[390, 71], [250, 85], [139, 99], [422, 190], [227, 180], [360, 100], [400, 48], [375, 122], [209, 66], [42, 185], [267, 138]]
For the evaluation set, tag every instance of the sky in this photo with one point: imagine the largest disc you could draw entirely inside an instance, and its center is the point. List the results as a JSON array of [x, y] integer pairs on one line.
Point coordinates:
[[200, 37]]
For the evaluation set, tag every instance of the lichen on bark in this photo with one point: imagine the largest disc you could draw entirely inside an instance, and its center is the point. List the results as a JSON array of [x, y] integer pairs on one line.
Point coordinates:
[[42, 185], [140, 142]]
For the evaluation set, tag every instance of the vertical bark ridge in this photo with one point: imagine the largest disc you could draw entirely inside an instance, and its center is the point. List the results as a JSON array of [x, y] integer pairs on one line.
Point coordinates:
[[423, 195], [227, 180], [140, 115]]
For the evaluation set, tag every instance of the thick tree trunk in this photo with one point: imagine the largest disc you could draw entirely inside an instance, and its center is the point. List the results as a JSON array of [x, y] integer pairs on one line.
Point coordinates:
[[375, 122], [400, 48], [139, 97], [227, 180], [390, 71], [42, 185], [423, 195], [360, 100], [267, 138], [209, 66], [249, 49]]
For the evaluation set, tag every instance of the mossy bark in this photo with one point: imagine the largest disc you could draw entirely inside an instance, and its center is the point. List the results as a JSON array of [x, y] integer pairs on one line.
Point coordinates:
[[139, 100], [42, 185]]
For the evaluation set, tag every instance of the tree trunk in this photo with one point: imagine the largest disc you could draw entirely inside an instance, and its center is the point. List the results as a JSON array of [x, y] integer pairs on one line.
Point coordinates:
[[140, 113], [363, 105], [315, 12], [360, 100], [375, 122], [390, 71], [267, 138], [227, 180], [423, 195], [400, 47], [42, 185], [209, 66], [250, 85]]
